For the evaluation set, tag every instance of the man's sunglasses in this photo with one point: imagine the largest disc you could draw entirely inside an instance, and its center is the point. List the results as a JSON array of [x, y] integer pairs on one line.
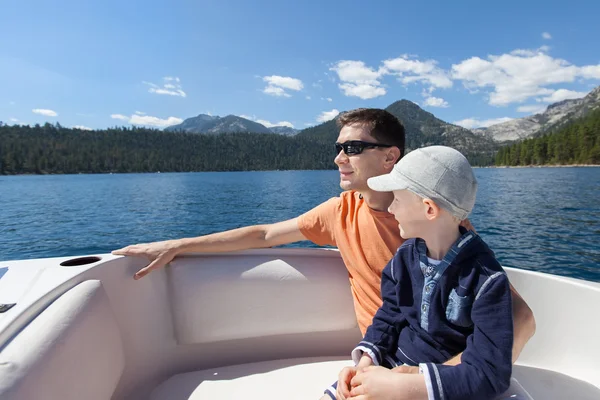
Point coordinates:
[[354, 147]]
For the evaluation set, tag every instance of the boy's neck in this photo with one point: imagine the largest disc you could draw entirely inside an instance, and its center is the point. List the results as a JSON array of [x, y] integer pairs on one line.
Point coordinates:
[[440, 240]]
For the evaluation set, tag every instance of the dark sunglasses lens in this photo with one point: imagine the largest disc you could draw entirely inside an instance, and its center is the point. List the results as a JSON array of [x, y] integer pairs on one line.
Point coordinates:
[[349, 149], [353, 149]]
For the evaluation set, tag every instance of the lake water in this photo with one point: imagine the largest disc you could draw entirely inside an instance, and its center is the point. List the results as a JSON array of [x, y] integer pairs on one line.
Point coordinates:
[[543, 219]]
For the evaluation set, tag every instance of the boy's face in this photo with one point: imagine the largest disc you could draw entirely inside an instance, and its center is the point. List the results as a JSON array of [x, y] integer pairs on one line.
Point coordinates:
[[410, 212]]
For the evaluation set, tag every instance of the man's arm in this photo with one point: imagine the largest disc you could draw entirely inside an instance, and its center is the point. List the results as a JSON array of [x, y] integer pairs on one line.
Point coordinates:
[[249, 237], [524, 327]]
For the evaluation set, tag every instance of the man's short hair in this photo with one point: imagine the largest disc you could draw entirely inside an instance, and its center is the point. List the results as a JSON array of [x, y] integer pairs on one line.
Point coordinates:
[[383, 126]]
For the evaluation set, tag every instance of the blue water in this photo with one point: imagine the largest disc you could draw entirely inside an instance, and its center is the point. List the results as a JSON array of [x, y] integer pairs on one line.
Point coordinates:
[[544, 219]]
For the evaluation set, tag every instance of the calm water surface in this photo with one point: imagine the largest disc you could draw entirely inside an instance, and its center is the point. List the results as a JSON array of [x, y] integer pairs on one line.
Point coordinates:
[[544, 219]]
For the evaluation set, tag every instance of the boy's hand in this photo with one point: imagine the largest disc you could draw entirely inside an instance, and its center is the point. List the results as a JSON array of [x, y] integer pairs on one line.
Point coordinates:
[[374, 383], [343, 384], [406, 369], [378, 383], [346, 375]]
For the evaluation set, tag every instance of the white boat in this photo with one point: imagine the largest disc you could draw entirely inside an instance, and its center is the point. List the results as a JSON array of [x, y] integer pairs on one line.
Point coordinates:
[[272, 323]]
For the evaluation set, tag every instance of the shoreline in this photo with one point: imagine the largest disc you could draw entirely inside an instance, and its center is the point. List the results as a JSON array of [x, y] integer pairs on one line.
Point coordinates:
[[545, 166], [275, 170]]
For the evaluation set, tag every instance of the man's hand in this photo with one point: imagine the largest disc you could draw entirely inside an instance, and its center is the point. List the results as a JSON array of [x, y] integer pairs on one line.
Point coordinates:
[[406, 369], [378, 383], [159, 254]]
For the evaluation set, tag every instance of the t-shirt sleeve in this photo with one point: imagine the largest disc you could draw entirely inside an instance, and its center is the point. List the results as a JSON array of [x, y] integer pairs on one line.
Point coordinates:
[[317, 225]]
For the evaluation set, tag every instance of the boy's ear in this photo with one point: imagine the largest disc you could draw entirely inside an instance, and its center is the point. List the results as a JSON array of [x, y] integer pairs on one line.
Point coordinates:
[[432, 210]]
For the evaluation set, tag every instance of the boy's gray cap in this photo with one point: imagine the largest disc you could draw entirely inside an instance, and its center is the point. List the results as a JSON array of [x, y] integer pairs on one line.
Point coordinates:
[[439, 173]]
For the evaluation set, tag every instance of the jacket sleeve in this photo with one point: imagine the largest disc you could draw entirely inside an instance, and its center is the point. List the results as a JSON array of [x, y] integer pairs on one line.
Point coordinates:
[[486, 363], [381, 338]]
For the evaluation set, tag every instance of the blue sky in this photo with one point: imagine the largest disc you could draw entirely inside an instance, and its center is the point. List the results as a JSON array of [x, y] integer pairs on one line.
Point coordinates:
[[154, 63]]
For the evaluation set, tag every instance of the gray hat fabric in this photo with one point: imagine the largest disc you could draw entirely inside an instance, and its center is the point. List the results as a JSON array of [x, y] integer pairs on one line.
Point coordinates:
[[439, 173]]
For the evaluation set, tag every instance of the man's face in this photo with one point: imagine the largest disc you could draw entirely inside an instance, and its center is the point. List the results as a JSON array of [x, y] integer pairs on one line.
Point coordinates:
[[356, 169], [410, 212]]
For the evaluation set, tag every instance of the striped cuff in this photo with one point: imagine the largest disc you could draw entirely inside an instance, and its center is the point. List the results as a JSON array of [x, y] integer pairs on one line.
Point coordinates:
[[435, 391], [370, 349]]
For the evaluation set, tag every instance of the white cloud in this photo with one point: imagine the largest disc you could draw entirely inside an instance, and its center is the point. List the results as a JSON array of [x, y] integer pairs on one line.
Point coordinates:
[[276, 91], [471, 123], [277, 85], [358, 80], [154, 121], [410, 71], [171, 87], [590, 72], [563, 94], [177, 92], [546, 35], [284, 82], [435, 102], [544, 49], [46, 112], [269, 124], [140, 113], [329, 99], [148, 120], [363, 91], [13, 120], [82, 127], [308, 97], [532, 109], [327, 115], [519, 75], [356, 72], [266, 123]]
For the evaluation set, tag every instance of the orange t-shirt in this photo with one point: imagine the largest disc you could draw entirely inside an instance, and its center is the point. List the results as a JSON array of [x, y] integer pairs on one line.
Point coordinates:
[[367, 240]]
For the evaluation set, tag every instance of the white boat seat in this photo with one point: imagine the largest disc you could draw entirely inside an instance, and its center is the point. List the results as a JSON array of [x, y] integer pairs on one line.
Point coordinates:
[[72, 350], [306, 378], [299, 378]]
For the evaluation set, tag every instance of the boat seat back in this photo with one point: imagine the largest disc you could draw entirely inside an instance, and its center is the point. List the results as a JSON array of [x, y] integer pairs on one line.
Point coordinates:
[[71, 350], [567, 324], [254, 295]]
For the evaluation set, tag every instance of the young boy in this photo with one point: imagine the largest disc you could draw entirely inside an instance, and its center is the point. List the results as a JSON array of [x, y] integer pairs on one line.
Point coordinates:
[[443, 293]]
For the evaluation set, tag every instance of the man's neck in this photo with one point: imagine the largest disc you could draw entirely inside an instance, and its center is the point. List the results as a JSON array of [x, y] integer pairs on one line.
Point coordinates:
[[379, 201], [440, 240]]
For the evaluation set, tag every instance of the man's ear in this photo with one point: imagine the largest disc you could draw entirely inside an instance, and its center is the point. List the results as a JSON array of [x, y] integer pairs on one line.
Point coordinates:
[[432, 210], [392, 155]]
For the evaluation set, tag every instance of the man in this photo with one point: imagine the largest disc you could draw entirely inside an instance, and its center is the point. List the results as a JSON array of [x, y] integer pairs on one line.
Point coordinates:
[[369, 144]]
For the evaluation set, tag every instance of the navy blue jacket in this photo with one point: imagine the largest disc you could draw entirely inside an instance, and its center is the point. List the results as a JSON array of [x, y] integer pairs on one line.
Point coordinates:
[[431, 313]]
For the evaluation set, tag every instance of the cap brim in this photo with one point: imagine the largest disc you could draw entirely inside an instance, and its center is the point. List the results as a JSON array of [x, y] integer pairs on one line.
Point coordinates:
[[387, 183]]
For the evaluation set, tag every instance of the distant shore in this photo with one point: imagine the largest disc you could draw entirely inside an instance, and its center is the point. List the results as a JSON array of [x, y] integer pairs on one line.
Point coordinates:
[[545, 166], [271, 170]]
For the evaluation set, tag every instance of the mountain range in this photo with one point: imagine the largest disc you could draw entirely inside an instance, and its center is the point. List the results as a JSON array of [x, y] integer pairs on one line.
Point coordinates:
[[554, 117], [213, 124], [422, 127]]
